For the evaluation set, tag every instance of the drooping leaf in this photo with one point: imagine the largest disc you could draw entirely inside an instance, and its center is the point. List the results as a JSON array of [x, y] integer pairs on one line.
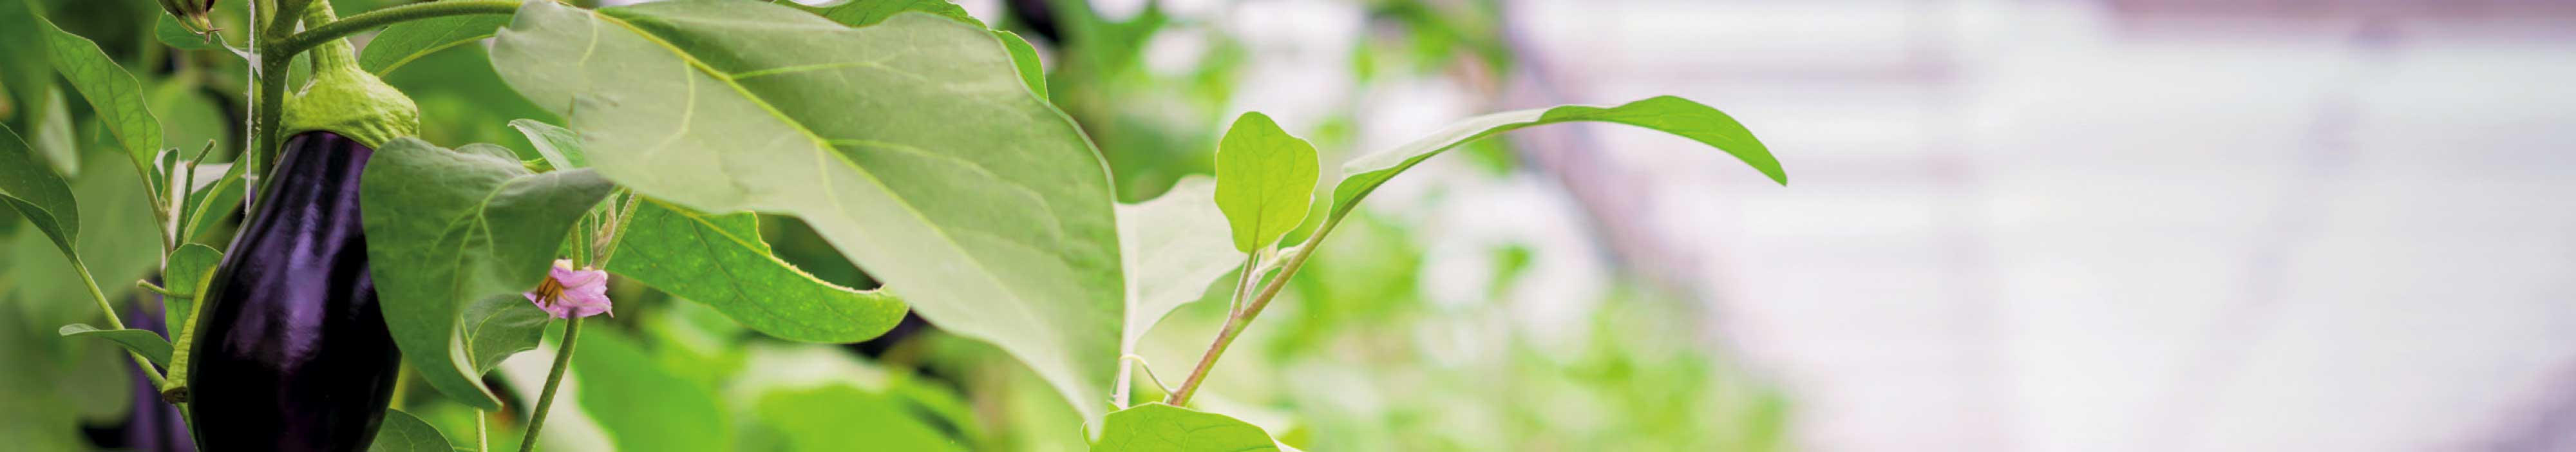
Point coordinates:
[[114, 94], [398, 45], [643, 407], [840, 417], [446, 228], [37, 193], [186, 272], [142, 342], [861, 13], [721, 261], [177, 36], [1156, 427], [1174, 246], [911, 145], [1265, 179], [402, 432], [499, 326], [1666, 114], [559, 146]]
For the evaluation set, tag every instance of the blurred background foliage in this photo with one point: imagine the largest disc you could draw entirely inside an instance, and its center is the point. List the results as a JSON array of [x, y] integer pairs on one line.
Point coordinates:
[[1361, 356]]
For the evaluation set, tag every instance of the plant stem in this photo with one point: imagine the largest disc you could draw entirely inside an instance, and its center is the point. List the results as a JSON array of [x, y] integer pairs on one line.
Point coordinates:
[[482, 433], [546, 399], [115, 323], [1242, 318], [314, 35]]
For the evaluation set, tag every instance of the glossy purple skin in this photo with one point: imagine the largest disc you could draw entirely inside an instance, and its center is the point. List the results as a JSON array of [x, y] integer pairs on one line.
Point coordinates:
[[291, 352]]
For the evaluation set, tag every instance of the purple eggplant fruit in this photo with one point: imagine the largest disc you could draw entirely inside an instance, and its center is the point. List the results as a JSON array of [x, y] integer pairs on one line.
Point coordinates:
[[292, 352], [289, 352]]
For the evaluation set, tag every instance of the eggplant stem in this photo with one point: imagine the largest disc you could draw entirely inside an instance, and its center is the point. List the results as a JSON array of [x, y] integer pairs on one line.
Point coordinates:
[[114, 323], [554, 378]]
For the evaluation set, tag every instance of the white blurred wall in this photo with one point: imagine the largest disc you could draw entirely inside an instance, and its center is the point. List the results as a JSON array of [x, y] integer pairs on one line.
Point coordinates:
[[2142, 226]]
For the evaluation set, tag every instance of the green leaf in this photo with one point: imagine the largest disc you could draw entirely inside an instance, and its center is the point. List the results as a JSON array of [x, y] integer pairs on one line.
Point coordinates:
[[113, 93], [447, 228], [53, 136], [37, 193], [840, 417], [186, 272], [502, 325], [1156, 427], [1025, 58], [213, 203], [643, 407], [1174, 246], [398, 45], [402, 432], [142, 342], [1265, 179], [721, 261], [559, 146], [861, 13], [911, 145], [177, 36], [1666, 114]]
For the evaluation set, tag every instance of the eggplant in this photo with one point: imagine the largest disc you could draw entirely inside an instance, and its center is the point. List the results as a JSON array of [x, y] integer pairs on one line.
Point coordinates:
[[289, 350], [292, 353]]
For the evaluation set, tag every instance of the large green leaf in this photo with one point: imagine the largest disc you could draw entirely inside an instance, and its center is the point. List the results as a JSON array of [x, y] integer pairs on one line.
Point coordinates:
[[1156, 427], [449, 227], [37, 193], [720, 260], [114, 94], [146, 343], [1666, 114], [1265, 180], [642, 406], [400, 44], [911, 145], [841, 417], [402, 432], [1174, 246]]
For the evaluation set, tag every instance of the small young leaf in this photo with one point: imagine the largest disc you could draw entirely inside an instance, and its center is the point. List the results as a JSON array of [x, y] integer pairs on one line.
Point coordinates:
[[398, 45], [1156, 427], [1265, 179], [186, 272], [720, 260], [142, 342], [114, 94], [36, 192], [402, 432], [177, 36], [446, 228], [560, 147]]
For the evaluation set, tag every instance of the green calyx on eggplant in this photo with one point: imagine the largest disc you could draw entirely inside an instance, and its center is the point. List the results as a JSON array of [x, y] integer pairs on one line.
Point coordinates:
[[289, 350], [345, 99]]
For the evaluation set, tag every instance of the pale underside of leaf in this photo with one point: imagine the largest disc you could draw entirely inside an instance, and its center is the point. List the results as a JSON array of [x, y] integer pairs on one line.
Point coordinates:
[[913, 146]]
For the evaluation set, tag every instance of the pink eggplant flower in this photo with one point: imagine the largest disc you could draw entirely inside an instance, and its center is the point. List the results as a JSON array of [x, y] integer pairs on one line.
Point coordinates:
[[569, 293]]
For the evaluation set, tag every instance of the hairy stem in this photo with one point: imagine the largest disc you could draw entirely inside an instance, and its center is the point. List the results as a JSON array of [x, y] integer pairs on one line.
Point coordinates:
[[554, 378], [317, 34]]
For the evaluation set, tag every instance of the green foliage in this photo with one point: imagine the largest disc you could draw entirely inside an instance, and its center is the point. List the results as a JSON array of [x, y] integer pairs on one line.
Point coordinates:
[[142, 342], [402, 432], [842, 417], [449, 227], [860, 13], [642, 407], [560, 147], [177, 36], [912, 145], [186, 272], [1264, 180], [1156, 427], [721, 261], [402, 43], [1666, 114], [114, 94], [1174, 246], [501, 325], [37, 193]]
